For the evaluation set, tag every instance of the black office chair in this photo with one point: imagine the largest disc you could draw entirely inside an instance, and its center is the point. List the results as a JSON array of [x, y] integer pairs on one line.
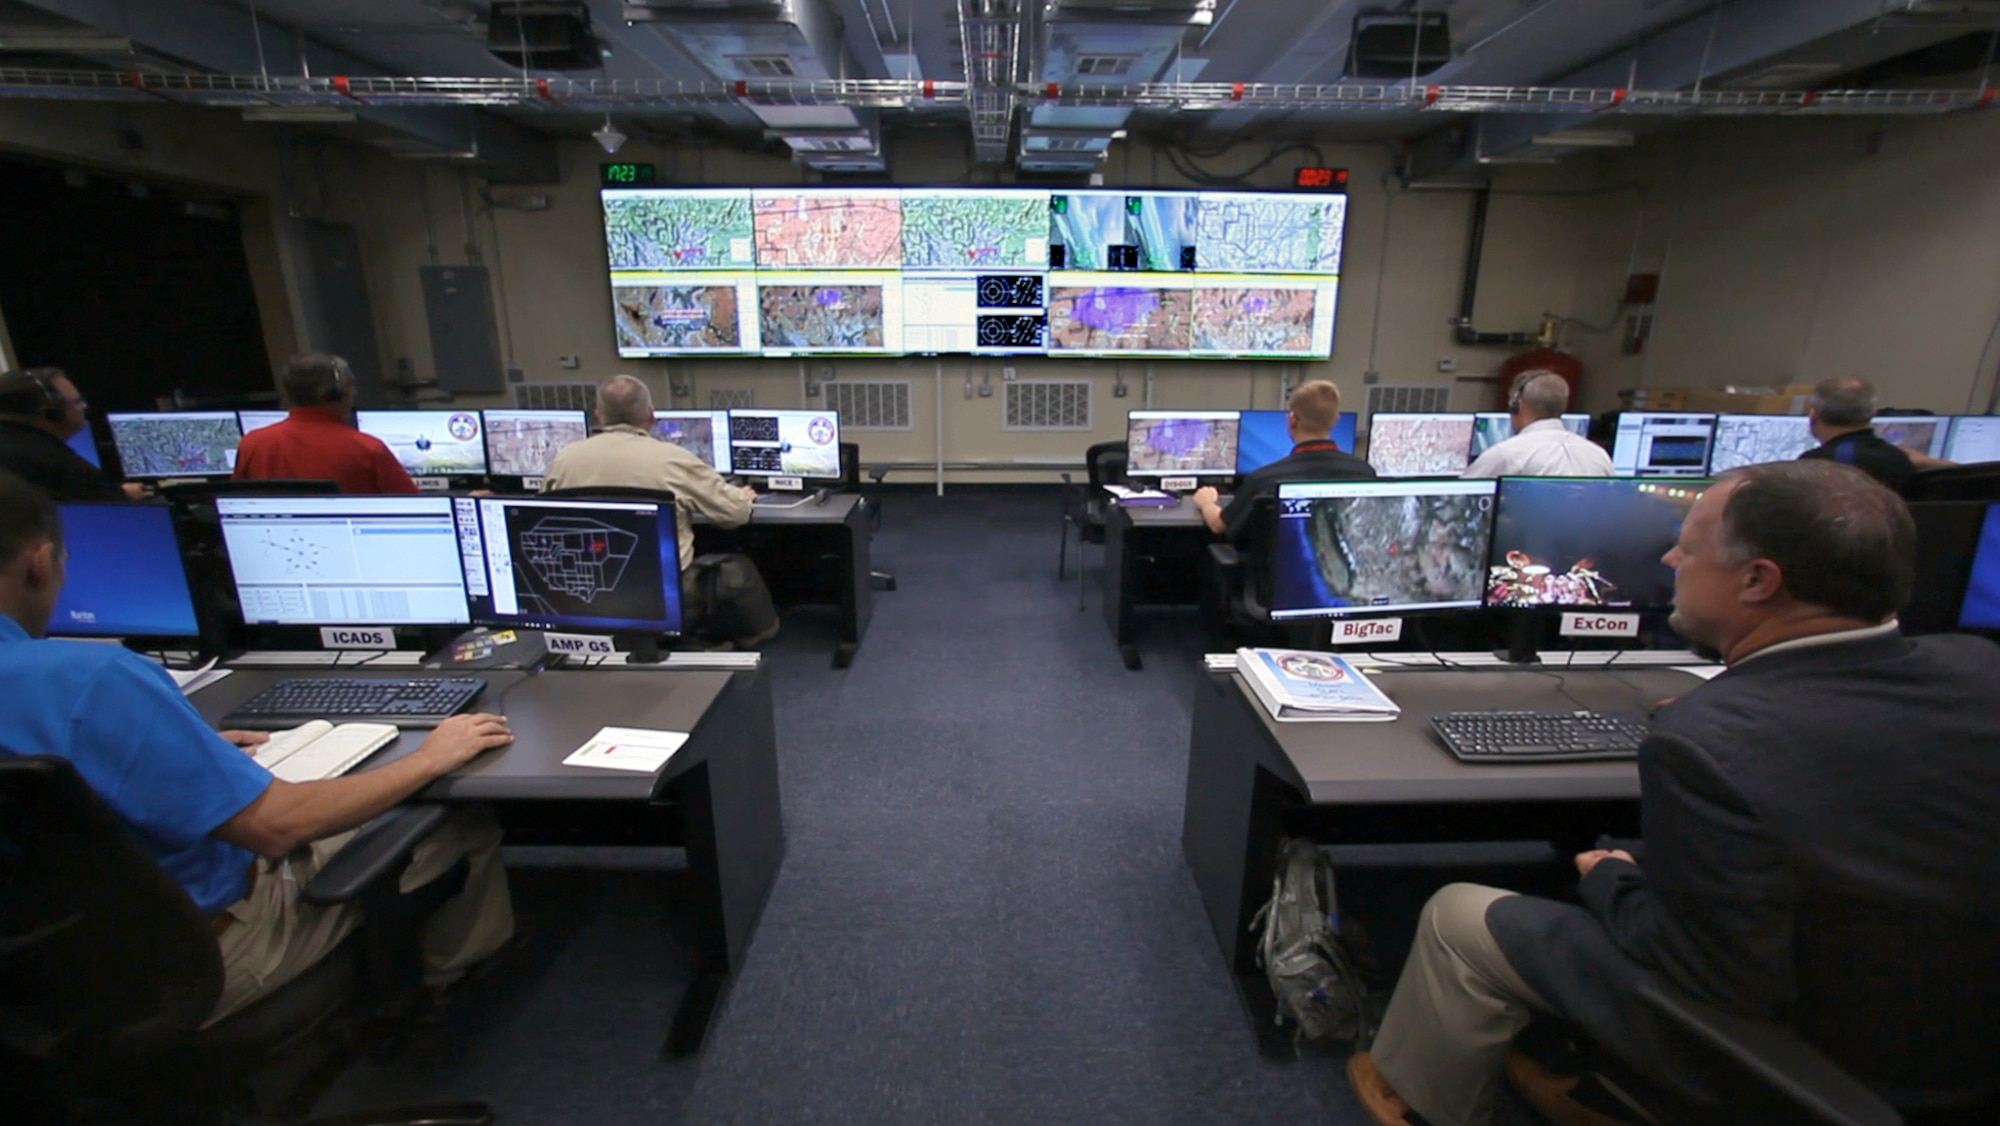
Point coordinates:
[[107, 968], [850, 482], [1236, 589], [1959, 482], [1085, 508]]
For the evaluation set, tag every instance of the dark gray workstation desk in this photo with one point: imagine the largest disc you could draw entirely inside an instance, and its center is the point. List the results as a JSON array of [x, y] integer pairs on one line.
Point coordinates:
[[1252, 780], [808, 553], [1151, 555], [717, 797]]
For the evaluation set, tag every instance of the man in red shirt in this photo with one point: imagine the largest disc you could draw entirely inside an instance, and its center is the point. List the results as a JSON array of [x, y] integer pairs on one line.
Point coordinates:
[[318, 442]]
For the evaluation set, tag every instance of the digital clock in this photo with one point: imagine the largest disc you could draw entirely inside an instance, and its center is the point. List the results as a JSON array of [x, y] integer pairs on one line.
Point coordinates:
[[625, 174], [1321, 179]]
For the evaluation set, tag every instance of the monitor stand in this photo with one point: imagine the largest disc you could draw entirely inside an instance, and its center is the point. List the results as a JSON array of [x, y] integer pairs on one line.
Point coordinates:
[[640, 648], [1524, 636]]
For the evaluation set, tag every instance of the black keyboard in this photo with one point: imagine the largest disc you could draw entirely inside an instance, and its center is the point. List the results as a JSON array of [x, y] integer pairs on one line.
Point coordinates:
[[418, 702], [1539, 736]]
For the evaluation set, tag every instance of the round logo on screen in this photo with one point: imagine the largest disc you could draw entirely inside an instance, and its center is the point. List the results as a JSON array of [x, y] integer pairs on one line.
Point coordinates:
[[820, 430], [464, 426]]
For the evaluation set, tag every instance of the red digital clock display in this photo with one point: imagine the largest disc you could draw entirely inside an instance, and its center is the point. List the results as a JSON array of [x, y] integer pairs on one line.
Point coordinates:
[[1320, 178]]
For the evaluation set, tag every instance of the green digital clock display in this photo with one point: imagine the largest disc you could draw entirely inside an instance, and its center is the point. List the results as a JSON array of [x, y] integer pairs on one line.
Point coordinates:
[[626, 174]]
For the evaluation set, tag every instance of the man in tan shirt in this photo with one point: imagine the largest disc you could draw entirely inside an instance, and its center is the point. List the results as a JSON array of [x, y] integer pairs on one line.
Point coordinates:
[[626, 454]]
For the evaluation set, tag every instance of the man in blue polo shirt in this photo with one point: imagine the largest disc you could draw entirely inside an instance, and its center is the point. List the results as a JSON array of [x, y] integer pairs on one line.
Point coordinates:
[[241, 842]]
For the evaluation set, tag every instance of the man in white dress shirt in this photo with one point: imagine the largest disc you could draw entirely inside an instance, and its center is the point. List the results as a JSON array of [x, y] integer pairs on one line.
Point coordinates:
[[1541, 446]]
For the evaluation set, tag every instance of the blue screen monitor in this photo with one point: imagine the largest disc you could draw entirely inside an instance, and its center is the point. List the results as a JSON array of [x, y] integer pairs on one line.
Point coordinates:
[[705, 434], [344, 561], [1180, 443], [1352, 547], [1982, 593], [176, 443], [1262, 438], [125, 574], [1490, 428], [1561, 541], [84, 442], [606, 566]]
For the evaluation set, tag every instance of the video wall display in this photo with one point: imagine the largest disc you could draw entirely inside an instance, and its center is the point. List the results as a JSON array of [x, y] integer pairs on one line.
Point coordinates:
[[998, 271]]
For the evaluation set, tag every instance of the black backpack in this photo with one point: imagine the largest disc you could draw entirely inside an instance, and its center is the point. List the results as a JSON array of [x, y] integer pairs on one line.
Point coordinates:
[[1314, 964]]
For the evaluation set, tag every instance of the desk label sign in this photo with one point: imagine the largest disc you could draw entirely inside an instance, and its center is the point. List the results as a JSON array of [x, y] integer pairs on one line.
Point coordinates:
[[1178, 484], [1600, 625], [1353, 631], [580, 644], [350, 637], [788, 484], [531, 484], [432, 484]]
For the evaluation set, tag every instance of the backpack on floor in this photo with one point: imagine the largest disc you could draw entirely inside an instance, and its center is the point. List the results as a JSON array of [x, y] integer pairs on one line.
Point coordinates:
[[1314, 965], [725, 598]]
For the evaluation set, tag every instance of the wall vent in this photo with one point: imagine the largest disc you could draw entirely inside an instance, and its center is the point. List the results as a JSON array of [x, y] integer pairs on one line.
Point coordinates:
[[556, 396], [731, 398], [1046, 404], [764, 66], [1104, 66], [869, 405], [1408, 400]]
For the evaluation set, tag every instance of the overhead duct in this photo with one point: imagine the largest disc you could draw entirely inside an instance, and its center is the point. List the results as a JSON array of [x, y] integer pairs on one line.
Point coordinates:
[[543, 35], [1101, 45], [1399, 44], [990, 31], [762, 41]]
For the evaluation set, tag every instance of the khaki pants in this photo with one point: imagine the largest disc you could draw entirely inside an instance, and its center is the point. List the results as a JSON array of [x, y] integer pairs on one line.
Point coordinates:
[[1457, 1008], [274, 935]]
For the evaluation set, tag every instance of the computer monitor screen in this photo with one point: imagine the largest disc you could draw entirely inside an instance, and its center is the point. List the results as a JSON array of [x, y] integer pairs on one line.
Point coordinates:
[[785, 443], [1490, 428], [1419, 445], [1597, 542], [1662, 444], [705, 434], [1754, 439], [1919, 434], [1180, 443], [176, 444], [430, 443], [522, 443], [1262, 438], [1982, 593], [125, 577], [1974, 438], [571, 564], [1365, 547], [346, 560], [84, 442], [258, 420]]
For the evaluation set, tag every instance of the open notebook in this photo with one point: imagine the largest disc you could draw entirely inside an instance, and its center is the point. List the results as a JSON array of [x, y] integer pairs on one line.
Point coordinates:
[[316, 750]]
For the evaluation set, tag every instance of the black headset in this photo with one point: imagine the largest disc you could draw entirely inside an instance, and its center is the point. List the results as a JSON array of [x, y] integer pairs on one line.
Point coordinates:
[[343, 378], [53, 405]]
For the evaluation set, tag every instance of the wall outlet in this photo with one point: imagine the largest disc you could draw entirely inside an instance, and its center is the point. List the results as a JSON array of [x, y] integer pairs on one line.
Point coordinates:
[[1007, 373], [1118, 390], [569, 363], [1447, 365], [516, 375], [1371, 378]]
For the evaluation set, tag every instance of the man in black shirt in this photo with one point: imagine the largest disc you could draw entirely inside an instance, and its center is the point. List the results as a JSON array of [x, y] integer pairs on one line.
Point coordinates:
[[1313, 411], [1841, 410], [40, 411]]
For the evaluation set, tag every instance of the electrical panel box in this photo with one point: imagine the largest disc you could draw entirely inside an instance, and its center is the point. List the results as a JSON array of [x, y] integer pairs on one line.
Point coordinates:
[[465, 346]]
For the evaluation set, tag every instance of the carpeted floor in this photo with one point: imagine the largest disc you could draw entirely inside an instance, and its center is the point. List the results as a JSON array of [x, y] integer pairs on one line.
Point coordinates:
[[983, 916]]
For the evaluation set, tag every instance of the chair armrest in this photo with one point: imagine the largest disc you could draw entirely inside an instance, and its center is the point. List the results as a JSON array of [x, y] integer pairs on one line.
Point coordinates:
[[1781, 1068], [1225, 555], [380, 848]]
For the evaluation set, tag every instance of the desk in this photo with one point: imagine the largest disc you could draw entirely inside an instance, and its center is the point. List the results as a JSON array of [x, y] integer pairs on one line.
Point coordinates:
[[1151, 556], [808, 553], [1252, 780], [717, 797]]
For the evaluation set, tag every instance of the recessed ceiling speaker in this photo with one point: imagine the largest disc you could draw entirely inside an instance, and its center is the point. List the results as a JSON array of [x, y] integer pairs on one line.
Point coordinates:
[[1393, 45], [543, 35]]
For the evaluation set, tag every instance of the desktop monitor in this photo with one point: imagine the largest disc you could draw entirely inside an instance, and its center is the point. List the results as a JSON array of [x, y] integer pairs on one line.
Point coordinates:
[[258, 420], [344, 560], [1561, 541], [1753, 439], [430, 443], [84, 442], [705, 434], [125, 576], [1419, 445], [1262, 437], [785, 443], [1982, 591], [1974, 438], [571, 564], [176, 443], [522, 443], [1372, 547], [1180, 443], [1662, 444], [1490, 428], [1917, 433]]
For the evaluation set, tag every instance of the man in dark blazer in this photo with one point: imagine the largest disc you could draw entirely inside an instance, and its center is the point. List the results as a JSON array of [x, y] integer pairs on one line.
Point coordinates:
[[1822, 835], [1311, 414]]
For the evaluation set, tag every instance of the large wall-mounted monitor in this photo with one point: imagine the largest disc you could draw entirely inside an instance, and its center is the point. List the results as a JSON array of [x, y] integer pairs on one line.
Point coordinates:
[[1376, 547], [994, 271], [571, 564], [1180, 443], [430, 443], [705, 434], [1263, 437], [344, 561], [1754, 439], [176, 443], [1586, 541], [787, 443], [1662, 444], [1419, 445], [125, 578]]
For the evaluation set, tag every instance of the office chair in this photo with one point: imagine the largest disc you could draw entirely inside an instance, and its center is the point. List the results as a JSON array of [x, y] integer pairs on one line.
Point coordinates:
[[1236, 586], [1085, 508], [1980, 481], [107, 968], [850, 482]]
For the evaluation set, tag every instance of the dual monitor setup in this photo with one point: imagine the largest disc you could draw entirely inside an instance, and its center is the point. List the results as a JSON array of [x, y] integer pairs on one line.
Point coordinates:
[[1212, 443], [515, 445], [609, 566]]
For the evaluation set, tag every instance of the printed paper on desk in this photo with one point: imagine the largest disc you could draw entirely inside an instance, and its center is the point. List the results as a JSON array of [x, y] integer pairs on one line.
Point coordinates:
[[628, 748]]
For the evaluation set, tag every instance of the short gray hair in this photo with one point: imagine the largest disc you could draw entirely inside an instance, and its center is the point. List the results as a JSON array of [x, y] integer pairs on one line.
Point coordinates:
[[1542, 392], [1843, 540], [1844, 401], [625, 399]]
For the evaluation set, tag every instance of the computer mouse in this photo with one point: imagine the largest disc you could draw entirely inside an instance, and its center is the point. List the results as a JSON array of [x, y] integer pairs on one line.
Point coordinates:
[[820, 496]]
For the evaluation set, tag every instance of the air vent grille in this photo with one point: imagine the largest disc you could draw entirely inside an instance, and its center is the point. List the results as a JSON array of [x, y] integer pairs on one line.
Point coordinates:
[[1408, 400], [764, 66], [864, 405], [556, 396], [1103, 66], [731, 398], [1047, 404]]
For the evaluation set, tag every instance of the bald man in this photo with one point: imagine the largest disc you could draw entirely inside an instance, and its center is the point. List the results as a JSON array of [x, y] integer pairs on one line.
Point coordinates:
[[1841, 412]]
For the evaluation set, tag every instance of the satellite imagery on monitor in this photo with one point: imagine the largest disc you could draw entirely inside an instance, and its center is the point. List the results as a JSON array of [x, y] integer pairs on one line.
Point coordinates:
[[1119, 319], [524, 446], [1253, 320], [1382, 551], [162, 447], [1171, 444], [821, 316], [695, 435], [677, 232], [677, 317], [796, 232], [1420, 448]]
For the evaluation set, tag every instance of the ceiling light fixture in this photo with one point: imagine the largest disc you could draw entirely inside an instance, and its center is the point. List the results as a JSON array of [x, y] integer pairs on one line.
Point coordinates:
[[608, 137]]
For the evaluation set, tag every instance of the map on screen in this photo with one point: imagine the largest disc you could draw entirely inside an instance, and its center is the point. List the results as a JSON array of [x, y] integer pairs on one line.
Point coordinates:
[[859, 230], [678, 230], [957, 230], [1119, 319], [1270, 233], [678, 318], [1170, 443], [1254, 320], [821, 316]]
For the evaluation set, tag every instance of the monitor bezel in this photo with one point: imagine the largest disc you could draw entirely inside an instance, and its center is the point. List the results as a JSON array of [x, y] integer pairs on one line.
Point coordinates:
[[461, 474], [1158, 414], [1493, 544], [1715, 434], [1471, 418], [486, 437], [1392, 486], [1707, 452], [294, 629], [722, 460], [111, 424], [202, 631], [665, 519], [839, 465]]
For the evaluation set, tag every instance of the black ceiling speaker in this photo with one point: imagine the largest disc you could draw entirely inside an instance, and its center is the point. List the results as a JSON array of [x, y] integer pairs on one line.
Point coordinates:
[[1399, 44], [543, 34]]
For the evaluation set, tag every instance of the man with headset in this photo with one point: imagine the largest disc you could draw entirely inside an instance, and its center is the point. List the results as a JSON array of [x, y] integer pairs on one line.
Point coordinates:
[[1541, 446], [40, 411], [318, 441]]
